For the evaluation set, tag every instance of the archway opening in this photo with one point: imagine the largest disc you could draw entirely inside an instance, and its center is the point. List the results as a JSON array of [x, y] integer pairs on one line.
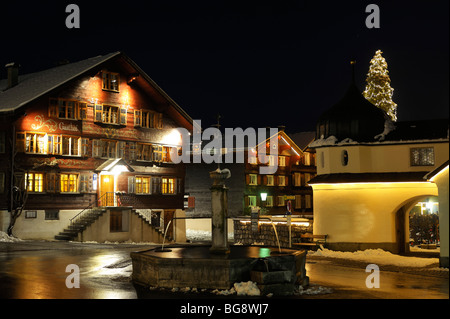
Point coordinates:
[[417, 225]]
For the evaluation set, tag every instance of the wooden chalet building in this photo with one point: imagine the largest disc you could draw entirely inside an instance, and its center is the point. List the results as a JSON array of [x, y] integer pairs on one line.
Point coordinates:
[[88, 144], [248, 188]]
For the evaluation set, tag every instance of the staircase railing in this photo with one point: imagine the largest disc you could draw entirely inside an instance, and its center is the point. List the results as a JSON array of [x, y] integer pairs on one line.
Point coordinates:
[[78, 216]]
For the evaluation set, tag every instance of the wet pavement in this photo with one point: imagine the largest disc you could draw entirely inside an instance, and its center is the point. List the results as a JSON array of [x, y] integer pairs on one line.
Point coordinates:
[[37, 270]]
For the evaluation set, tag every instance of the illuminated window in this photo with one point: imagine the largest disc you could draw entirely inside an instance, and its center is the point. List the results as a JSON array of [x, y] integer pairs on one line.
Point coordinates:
[[423, 156], [168, 185], [31, 143], [270, 180], [252, 160], [35, 182], [282, 180], [282, 160], [297, 179], [110, 81], [344, 158], [252, 200], [69, 183], [157, 153], [142, 185], [253, 179]]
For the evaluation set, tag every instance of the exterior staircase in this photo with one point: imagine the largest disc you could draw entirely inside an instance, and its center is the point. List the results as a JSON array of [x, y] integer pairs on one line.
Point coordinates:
[[89, 215], [81, 223]]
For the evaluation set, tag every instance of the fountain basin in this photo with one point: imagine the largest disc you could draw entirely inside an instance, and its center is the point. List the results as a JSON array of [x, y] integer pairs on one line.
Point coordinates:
[[197, 267]]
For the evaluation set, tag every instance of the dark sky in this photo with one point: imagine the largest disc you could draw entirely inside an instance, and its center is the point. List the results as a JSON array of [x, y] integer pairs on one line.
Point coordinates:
[[258, 63]]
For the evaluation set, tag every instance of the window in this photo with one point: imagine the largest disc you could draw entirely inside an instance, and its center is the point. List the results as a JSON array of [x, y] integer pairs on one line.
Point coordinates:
[[423, 156], [110, 114], [297, 179], [30, 214], [252, 160], [157, 153], [298, 201], [147, 119], [307, 158], [252, 201], [70, 146], [344, 158], [282, 180], [67, 109], [52, 214], [253, 179], [54, 144], [270, 180], [280, 200], [35, 182], [144, 152], [31, 143], [69, 183], [108, 149], [168, 185], [142, 185], [110, 81], [282, 160]]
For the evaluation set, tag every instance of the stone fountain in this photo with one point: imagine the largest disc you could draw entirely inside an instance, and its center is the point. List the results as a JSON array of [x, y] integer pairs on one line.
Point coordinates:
[[220, 265]]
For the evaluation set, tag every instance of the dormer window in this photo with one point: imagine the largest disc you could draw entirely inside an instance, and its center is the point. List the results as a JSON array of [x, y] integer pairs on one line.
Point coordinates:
[[110, 81]]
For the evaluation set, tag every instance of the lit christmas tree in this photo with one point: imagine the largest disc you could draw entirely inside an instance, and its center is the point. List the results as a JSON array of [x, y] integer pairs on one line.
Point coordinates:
[[378, 89]]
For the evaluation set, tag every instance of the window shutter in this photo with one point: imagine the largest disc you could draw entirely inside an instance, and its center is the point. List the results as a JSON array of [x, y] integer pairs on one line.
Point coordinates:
[[160, 123], [137, 118], [246, 201], [81, 111], [121, 146], [156, 185], [98, 113], [96, 148], [131, 184], [247, 179], [123, 116]]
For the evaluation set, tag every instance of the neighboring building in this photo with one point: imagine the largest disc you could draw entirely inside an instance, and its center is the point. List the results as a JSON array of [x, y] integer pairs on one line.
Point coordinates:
[[371, 172], [90, 137], [248, 188]]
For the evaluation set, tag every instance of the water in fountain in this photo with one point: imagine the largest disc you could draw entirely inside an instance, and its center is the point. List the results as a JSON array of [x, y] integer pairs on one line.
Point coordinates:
[[164, 240]]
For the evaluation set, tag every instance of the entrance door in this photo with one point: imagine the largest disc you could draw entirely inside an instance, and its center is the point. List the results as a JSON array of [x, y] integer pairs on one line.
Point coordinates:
[[107, 190]]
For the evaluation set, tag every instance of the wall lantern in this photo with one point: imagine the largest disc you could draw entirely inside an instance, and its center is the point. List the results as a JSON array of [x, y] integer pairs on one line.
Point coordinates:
[[263, 196]]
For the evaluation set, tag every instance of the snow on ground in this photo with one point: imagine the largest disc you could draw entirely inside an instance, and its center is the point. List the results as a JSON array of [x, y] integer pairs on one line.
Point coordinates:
[[376, 256], [8, 239], [202, 235]]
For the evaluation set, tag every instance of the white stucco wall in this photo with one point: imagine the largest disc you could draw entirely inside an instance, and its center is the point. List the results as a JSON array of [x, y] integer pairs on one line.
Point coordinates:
[[363, 213], [441, 181], [376, 158]]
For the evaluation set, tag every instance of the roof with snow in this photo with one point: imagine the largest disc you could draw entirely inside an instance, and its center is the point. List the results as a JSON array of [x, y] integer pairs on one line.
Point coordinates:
[[33, 85]]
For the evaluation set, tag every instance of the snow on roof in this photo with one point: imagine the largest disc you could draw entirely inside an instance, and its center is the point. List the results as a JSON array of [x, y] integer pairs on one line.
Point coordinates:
[[34, 85]]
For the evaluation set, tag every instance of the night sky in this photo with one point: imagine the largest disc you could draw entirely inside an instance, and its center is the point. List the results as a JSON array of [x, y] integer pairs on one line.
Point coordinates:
[[265, 63]]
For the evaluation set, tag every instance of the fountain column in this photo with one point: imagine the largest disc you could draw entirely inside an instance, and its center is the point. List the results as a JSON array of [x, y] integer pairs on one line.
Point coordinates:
[[219, 206]]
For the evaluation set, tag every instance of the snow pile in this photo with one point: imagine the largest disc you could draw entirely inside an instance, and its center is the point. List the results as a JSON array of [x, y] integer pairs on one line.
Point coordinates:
[[248, 288], [377, 256], [314, 290], [8, 239], [202, 235]]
